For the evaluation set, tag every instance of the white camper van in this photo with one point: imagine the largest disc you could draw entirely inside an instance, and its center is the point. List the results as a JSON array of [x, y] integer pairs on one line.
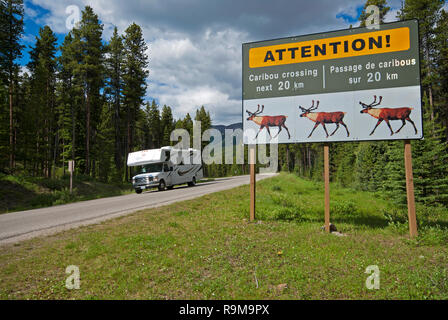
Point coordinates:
[[165, 168]]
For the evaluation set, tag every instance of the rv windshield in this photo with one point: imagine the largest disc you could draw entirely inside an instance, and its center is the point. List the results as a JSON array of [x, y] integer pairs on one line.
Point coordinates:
[[152, 167]]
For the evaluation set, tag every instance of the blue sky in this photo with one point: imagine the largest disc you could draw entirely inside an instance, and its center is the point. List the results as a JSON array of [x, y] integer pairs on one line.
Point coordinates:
[[195, 46]]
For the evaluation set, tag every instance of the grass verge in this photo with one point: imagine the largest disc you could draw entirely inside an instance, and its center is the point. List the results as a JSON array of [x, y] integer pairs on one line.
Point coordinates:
[[22, 193], [206, 249]]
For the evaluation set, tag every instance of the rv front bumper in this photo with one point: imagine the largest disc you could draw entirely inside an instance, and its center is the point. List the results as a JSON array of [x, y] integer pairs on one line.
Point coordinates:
[[145, 183]]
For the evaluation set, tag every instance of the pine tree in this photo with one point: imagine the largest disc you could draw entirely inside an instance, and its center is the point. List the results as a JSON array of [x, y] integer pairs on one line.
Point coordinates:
[[105, 146], [91, 73], [430, 166], [166, 125], [428, 14], [154, 125], [187, 124], [115, 69], [66, 98], [11, 30], [135, 74], [441, 45], [42, 66]]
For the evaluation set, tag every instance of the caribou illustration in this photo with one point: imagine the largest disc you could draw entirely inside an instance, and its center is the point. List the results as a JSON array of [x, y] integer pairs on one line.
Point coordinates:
[[322, 118], [267, 121], [387, 114]]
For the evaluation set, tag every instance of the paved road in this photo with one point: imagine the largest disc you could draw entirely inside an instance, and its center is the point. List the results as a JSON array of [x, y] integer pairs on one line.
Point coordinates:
[[21, 225]]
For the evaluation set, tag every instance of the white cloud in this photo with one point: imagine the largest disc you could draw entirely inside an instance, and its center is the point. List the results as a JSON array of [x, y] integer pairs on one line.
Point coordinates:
[[194, 47], [190, 74]]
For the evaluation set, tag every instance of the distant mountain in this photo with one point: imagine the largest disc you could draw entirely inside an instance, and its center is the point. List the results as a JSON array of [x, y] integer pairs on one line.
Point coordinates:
[[221, 128]]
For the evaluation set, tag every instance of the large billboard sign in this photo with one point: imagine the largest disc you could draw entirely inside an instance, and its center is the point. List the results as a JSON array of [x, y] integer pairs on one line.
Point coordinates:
[[348, 85]]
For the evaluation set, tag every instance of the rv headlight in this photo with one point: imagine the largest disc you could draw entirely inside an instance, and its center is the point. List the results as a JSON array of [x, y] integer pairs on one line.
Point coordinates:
[[133, 180], [156, 178]]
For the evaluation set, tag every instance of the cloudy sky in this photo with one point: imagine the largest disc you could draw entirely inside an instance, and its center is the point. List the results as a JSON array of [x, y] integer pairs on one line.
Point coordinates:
[[195, 45]]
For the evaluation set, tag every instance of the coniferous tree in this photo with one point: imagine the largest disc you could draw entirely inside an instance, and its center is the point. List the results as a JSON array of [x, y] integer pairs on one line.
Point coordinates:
[[42, 66], [67, 97], [115, 71], [442, 70], [105, 146], [135, 73], [430, 164], [11, 30], [428, 14], [166, 125], [153, 116], [90, 72]]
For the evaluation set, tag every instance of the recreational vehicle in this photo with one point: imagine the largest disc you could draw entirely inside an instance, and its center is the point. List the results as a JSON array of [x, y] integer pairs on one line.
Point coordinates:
[[164, 168]]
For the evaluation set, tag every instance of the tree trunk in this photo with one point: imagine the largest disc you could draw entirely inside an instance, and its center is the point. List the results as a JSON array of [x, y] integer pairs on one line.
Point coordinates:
[[73, 131], [118, 148], [128, 140], [88, 135], [11, 129]]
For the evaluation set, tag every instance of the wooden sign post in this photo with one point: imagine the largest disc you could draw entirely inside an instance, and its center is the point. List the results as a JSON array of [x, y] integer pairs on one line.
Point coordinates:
[[71, 168], [252, 162], [410, 188], [327, 186]]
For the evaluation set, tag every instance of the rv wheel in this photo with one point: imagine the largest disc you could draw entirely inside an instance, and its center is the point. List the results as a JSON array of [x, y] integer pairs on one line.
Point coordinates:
[[162, 185], [193, 182], [138, 191]]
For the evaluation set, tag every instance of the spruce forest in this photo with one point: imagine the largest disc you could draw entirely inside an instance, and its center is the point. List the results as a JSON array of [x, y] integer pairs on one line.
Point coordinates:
[[84, 100]]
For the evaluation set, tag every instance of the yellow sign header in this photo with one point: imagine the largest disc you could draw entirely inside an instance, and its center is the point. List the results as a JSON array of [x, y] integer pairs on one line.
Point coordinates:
[[331, 48]]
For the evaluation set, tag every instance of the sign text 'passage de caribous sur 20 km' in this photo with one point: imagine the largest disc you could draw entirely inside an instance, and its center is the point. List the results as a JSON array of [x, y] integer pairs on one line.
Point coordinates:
[[348, 85]]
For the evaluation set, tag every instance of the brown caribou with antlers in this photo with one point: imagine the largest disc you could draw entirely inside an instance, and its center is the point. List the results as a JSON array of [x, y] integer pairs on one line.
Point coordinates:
[[387, 114], [323, 118], [267, 121]]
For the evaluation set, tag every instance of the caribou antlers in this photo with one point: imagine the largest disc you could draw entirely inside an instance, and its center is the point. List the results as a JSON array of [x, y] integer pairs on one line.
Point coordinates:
[[312, 108], [373, 104], [256, 112]]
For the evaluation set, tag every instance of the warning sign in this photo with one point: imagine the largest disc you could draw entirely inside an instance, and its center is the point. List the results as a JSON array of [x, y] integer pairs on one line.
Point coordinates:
[[331, 48], [304, 89]]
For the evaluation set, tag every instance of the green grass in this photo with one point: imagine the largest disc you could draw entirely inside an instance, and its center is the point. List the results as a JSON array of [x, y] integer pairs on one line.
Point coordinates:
[[207, 249], [22, 193]]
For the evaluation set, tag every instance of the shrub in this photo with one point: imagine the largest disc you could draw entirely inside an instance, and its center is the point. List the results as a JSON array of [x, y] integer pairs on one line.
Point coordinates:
[[344, 208], [287, 214]]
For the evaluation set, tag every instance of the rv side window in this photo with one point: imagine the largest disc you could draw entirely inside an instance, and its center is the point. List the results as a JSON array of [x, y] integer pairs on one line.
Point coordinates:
[[165, 168]]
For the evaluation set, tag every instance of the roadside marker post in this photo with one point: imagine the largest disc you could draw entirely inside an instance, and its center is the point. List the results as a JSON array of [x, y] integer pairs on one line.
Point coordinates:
[[410, 189], [252, 161], [71, 168], [327, 186]]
